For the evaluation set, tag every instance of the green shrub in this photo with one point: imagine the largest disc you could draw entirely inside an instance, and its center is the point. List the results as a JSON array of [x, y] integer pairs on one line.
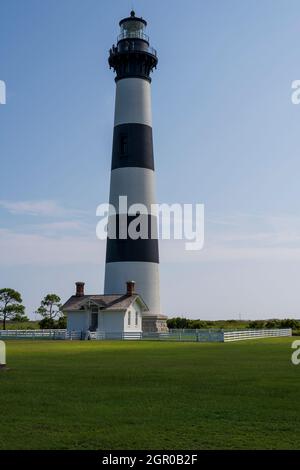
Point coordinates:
[[289, 323], [47, 323], [62, 323], [256, 324]]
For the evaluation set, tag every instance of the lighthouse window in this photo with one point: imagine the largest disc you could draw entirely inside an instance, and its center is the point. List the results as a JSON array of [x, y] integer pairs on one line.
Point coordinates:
[[136, 318], [129, 318], [123, 145]]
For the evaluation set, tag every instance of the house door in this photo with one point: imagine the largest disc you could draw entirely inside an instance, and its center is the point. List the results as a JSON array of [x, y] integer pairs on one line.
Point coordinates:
[[94, 322]]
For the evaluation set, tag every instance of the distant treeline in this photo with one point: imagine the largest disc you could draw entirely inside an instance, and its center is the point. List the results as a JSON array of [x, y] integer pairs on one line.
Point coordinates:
[[186, 323]]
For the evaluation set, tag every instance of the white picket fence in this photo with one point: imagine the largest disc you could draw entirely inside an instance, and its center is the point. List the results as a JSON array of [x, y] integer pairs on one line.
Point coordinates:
[[221, 336], [254, 334], [40, 334], [187, 335], [121, 335]]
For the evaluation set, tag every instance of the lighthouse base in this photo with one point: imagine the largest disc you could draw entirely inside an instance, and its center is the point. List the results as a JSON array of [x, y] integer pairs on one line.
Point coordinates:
[[154, 324]]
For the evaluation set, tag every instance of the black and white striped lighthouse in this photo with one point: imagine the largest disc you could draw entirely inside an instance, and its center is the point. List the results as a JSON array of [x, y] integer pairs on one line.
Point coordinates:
[[132, 170]]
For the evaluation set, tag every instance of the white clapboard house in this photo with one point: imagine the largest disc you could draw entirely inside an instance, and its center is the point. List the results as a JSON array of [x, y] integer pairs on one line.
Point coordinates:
[[119, 313]]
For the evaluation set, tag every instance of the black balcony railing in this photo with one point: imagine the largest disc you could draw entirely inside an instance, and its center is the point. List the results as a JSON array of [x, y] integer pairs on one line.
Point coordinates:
[[124, 47]]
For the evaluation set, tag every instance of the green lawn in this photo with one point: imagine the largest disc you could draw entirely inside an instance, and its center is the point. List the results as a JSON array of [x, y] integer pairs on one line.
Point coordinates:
[[150, 395]]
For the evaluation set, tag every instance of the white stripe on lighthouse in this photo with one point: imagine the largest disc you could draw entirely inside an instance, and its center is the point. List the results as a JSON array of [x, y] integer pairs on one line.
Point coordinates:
[[138, 184], [146, 276], [133, 102]]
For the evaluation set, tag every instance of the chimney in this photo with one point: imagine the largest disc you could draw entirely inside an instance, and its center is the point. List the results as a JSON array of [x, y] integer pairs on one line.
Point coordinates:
[[130, 287], [79, 289]]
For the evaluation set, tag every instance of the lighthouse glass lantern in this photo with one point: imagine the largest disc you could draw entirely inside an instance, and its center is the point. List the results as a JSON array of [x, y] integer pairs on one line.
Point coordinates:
[[133, 27]]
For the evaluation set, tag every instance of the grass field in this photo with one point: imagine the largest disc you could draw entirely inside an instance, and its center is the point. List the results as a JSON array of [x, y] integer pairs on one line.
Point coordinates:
[[150, 395]]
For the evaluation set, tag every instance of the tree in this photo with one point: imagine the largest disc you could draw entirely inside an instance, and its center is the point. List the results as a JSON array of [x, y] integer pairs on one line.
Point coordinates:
[[49, 310], [19, 318], [47, 324], [256, 324], [289, 323], [177, 323], [273, 323], [10, 305], [62, 323]]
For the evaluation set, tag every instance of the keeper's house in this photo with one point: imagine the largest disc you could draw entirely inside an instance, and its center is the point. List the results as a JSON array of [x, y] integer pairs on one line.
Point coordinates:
[[120, 313]]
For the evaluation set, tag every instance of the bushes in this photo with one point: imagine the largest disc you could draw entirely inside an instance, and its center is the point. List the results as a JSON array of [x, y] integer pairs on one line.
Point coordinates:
[[290, 323], [47, 323], [272, 324], [256, 325], [30, 325], [20, 318], [177, 322], [286, 323], [51, 324], [189, 324], [62, 323], [185, 323]]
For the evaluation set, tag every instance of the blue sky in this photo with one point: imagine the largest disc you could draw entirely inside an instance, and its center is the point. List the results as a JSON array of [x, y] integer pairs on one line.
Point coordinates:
[[225, 133]]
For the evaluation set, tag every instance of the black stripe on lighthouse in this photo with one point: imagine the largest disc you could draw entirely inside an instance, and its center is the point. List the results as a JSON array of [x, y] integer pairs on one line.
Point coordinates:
[[141, 249], [132, 146], [132, 250]]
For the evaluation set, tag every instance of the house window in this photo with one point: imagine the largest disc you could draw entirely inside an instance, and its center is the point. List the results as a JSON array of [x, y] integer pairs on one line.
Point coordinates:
[[129, 318], [123, 145], [136, 318]]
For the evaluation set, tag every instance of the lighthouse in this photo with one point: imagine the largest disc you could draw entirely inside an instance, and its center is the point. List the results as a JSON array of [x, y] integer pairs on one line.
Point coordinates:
[[132, 172]]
